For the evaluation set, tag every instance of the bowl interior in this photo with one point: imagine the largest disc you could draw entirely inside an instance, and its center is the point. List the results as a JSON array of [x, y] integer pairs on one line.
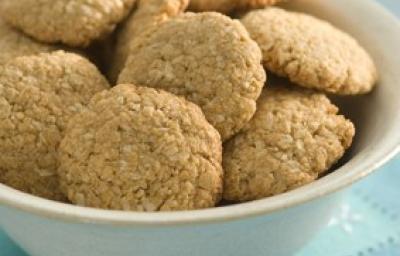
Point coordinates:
[[377, 119]]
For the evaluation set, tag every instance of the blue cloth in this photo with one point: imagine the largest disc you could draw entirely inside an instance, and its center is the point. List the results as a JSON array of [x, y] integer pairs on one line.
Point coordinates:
[[8, 248], [369, 222]]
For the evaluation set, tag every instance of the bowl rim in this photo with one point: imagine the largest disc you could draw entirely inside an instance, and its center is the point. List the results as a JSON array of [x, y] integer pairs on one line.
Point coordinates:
[[10, 197]]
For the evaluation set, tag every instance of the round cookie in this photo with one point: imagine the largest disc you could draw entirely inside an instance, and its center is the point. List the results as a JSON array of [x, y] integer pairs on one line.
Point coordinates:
[[228, 6], [141, 149], [72, 22], [294, 137], [209, 59], [38, 96], [147, 14], [311, 52], [14, 44]]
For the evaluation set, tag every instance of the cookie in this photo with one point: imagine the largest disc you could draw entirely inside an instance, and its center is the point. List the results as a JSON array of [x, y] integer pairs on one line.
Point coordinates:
[[72, 22], [148, 13], [38, 96], [141, 149], [14, 44], [228, 6], [294, 137], [209, 59], [311, 52]]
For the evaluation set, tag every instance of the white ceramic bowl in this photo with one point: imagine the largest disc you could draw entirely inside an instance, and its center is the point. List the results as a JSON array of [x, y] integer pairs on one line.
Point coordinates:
[[276, 226]]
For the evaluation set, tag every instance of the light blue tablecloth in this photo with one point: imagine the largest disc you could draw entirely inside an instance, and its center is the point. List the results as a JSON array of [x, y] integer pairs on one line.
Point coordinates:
[[369, 223]]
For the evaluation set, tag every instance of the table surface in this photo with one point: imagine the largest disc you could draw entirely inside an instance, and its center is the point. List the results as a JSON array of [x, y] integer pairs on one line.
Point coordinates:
[[369, 221]]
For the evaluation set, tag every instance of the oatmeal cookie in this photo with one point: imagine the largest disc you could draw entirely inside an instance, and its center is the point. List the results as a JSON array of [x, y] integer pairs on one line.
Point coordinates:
[[311, 52], [228, 6], [209, 59], [141, 149], [14, 44], [72, 22], [148, 13], [294, 137], [38, 95]]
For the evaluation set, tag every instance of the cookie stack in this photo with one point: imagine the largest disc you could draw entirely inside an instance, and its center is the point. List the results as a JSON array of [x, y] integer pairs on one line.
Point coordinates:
[[187, 117]]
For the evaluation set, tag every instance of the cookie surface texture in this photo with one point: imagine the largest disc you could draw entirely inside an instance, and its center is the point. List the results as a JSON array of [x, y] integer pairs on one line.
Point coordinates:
[[38, 96], [228, 6], [72, 22], [209, 59], [293, 138], [140, 149], [15, 44], [147, 14], [311, 52]]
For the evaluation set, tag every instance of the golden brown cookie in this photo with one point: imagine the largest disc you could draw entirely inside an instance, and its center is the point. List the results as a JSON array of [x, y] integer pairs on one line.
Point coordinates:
[[228, 6], [72, 22], [209, 59], [148, 13], [15, 44], [38, 96], [141, 149], [294, 137], [311, 52]]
